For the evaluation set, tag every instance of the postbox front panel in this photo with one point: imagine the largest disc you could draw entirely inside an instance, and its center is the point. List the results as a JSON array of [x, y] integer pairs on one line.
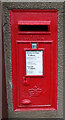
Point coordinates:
[[34, 45]]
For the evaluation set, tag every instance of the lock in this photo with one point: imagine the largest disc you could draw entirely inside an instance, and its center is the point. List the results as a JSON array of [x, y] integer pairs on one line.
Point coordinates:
[[34, 48], [26, 81]]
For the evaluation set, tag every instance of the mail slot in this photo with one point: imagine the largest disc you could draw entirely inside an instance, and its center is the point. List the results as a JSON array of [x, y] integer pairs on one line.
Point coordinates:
[[34, 49]]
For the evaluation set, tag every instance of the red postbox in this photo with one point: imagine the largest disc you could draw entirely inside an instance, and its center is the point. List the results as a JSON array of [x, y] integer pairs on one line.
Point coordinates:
[[34, 49]]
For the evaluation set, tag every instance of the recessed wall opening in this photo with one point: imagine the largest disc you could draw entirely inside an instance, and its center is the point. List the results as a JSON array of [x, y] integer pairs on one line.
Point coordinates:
[[40, 28]]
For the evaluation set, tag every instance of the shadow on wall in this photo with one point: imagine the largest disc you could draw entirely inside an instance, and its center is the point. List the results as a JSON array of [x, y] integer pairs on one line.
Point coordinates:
[[4, 95]]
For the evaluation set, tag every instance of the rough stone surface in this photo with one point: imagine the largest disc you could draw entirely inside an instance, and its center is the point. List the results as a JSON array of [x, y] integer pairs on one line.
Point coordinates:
[[6, 7], [32, 0]]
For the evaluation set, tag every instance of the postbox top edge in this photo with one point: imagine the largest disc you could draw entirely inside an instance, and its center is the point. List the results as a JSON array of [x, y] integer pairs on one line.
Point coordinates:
[[34, 10]]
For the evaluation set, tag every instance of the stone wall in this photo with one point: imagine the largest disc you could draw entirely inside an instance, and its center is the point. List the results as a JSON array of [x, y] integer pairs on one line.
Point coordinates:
[[6, 7]]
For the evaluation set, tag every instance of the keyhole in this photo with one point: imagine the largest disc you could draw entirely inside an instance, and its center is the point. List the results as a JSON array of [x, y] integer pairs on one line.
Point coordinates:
[[25, 79]]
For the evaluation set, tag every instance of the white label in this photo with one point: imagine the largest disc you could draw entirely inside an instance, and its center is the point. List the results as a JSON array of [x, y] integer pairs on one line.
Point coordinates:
[[34, 62]]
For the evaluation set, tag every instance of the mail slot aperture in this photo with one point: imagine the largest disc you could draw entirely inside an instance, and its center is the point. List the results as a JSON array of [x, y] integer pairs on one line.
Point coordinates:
[[34, 26]]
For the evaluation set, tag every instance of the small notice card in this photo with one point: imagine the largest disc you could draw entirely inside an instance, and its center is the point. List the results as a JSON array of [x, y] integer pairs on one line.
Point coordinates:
[[34, 62]]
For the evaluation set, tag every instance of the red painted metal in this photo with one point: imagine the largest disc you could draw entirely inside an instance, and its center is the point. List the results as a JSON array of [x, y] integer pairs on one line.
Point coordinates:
[[34, 22], [34, 92]]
